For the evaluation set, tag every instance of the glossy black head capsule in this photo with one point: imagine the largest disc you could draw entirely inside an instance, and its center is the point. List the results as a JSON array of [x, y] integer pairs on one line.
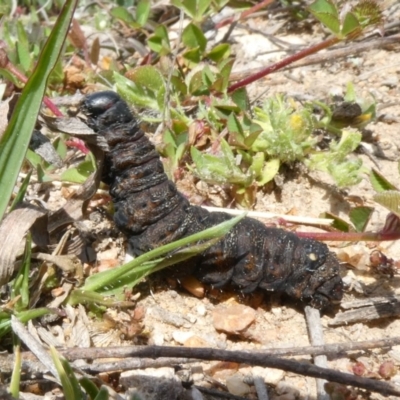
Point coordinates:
[[103, 109]]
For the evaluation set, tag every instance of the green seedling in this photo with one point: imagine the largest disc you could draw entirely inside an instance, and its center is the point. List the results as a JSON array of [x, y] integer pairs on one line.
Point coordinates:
[[74, 389], [114, 282], [20, 296], [387, 196]]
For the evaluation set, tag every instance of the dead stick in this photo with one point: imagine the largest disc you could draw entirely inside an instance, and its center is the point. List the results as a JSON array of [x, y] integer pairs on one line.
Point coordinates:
[[30, 362], [262, 360], [254, 358], [93, 353], [34, 345], [316, 335], [134, 363]]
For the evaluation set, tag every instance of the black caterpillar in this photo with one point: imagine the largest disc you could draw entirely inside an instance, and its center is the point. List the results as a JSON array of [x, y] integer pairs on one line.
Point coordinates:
[[151, 212]]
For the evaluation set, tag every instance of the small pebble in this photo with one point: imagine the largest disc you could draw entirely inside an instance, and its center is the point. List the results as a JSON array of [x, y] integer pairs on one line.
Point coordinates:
[[181, 337], [236, 385], [201, 310], [196, 341], [190, 317], [158, 338], [271, 376], [233, 319]]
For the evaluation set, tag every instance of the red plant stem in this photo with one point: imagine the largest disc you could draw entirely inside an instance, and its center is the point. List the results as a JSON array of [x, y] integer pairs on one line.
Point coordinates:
[[244, 14], [7, 64], [53, 108], [255, 8], [283, 63], [350, 236]]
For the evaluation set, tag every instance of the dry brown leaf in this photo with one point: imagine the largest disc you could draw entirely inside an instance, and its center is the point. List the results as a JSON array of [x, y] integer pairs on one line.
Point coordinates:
[[12, 232], [67, 262]]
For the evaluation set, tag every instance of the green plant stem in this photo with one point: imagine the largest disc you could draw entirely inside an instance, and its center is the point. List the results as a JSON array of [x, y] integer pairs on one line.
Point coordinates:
[[285, 62], [350, 236], [16, 374]]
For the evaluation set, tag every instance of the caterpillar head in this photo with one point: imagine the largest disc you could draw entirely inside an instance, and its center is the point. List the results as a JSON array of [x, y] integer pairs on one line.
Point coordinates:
[[318, 280], [103, 109]]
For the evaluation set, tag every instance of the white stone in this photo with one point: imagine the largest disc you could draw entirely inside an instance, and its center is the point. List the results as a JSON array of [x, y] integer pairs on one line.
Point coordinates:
[[181, 336], [158, 338], [271, 376], [201, 310], [236, 385]]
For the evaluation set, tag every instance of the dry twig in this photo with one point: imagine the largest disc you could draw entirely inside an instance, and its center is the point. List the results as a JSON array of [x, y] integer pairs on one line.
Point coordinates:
[[254, 358], [31, 365], [314, 327]]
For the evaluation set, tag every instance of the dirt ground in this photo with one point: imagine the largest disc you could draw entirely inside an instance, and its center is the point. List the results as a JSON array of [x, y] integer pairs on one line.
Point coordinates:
[[279, 324], [170, 315]]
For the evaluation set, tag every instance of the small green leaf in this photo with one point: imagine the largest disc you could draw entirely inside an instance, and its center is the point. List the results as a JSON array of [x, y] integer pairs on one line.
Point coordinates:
[[326, 12], [145, 87], [202, 6], [379, 182], [196, 85], [188, 6], [225, 68], [350, 25], [255, 131], [338, 223], [360, 217], [192, 55], [389, 199], [193, 37], [78, 174], [179, 85], [125, 16], [143, 11], [225, 110], [159, 42], [269, 171], [241, 99], [193, 8], [219, 52], [208, 76], [233, 125], [60, 147]]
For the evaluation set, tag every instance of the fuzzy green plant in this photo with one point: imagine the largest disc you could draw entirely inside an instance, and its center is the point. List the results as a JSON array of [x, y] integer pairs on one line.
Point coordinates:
[[260, 139]]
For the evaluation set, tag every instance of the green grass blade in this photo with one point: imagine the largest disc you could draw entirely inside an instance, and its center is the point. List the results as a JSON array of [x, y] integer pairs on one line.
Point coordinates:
[[21, 192], [16, 374], [106, 279], [103, 394], [136, 274], [15, 141], [67, 384]]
